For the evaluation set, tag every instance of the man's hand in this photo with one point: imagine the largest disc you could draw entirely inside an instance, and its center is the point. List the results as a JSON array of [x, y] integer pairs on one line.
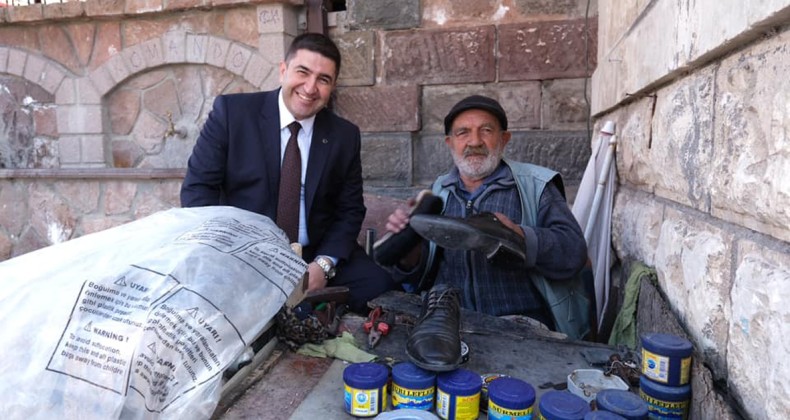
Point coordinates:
[[509, 223], [316, 277], [397, 221]]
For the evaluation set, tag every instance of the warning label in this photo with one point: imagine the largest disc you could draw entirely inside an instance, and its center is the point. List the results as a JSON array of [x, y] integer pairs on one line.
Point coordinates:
[[146, 334], [255, 247], [226, 234], [182, 344], [107, 314]]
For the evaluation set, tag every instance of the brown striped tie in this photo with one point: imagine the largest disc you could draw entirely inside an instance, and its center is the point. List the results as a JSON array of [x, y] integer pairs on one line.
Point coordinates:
[[290, 186]]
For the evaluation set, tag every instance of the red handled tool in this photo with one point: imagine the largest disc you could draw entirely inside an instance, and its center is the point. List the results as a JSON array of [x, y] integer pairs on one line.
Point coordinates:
[[376, 327]]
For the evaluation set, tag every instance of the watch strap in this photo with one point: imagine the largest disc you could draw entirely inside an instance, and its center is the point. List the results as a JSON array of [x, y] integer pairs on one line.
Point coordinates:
[[327, 266]]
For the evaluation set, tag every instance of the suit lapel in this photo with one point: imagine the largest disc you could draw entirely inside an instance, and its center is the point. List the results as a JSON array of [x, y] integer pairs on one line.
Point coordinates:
[[320, 146], [269, 124]]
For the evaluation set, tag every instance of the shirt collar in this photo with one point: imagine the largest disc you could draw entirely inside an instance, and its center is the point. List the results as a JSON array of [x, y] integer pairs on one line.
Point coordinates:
[[286, 117]]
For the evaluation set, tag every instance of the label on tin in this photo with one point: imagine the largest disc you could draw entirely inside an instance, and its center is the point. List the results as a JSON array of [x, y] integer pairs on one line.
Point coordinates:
[[457, 407], [500, 413], [685, 370], [365, 402], [420, 399], [665, 409], [656, 367]]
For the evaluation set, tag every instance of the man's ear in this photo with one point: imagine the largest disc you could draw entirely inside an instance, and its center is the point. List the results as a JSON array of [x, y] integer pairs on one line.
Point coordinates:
[[506, 135], [283, 67]]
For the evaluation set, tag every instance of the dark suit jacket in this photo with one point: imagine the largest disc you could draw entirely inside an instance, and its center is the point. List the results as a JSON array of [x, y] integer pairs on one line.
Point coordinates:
[[236, 162]]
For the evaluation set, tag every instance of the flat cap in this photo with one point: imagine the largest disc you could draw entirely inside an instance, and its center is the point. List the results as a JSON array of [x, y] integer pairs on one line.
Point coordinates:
[[475, 102]]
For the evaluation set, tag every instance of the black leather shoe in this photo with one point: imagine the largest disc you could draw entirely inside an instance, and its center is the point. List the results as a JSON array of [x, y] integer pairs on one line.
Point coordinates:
[[480, 232], [435, 341], [391, 248]]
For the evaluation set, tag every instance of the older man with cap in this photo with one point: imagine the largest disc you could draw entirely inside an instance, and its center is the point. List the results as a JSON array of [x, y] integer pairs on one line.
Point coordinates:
[[506, 239]]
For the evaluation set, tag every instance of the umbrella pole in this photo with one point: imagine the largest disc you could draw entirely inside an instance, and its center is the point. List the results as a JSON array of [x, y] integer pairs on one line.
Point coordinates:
[[607, 130]]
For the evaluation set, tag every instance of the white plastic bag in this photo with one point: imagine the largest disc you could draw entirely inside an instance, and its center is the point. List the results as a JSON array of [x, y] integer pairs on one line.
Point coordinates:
[[139, 321]]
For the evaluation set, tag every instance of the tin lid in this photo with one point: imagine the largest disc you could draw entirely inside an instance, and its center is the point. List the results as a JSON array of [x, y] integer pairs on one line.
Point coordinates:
[[407, 414], [663, 392], [666, 344], [460, 381], [409, 375], [602, 415], [624, 403], [365, 375], [511, 393], [562, 405]]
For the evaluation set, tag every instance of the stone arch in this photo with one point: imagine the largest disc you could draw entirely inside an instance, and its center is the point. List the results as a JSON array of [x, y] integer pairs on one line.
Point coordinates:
[[33, 67], [179, 47], [31, 142], [144, 142], [81, 129]]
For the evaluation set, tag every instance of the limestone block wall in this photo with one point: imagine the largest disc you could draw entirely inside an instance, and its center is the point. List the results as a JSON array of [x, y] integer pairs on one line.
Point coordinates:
[[407, 62], [703, 188], [113, 93]]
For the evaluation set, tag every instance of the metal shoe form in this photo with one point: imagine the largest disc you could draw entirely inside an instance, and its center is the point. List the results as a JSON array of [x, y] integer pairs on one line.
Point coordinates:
[[391, 247], [435, 341], [480, 232]]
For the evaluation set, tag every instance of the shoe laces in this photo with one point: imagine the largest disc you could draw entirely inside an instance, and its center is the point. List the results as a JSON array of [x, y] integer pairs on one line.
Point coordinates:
[[446, 299]]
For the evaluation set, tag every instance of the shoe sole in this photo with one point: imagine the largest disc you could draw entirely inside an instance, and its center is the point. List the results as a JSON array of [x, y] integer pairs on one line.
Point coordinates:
[[451, 233], [435, 367]]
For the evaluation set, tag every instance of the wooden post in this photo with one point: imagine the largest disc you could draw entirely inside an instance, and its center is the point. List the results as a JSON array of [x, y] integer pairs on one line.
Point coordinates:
[[316, 15]]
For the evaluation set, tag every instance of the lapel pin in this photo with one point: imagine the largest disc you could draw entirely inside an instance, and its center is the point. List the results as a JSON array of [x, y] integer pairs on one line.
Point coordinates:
[[325, 141]]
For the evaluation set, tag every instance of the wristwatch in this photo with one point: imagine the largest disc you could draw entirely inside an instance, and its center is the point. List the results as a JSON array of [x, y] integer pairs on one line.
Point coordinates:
[[326, 265]]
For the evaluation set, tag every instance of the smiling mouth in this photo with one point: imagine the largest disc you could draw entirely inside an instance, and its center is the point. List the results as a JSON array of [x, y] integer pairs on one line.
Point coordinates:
[[304, 97]]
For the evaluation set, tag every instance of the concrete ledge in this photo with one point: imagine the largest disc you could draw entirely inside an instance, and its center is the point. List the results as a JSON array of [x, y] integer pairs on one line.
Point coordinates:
[[75, 9], [92, 173]]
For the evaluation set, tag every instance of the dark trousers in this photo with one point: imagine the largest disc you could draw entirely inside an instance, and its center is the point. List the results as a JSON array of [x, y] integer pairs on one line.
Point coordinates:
[[364, 279]]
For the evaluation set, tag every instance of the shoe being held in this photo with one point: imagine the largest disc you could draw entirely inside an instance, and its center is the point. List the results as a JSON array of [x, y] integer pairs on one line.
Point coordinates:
[[435, 341], [392, 247], [482, 232]]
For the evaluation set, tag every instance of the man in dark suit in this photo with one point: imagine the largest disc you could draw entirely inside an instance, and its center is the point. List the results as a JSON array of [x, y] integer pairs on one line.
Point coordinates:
[[237, 157]]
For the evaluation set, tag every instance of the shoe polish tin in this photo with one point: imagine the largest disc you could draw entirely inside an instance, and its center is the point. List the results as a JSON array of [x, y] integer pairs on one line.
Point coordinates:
[[464, 352], [562, 405], [412, 387], [510, 399], [487, 379], [666, 358], [665, 402], [365, 389], [602, 415], [458, 395], [624, 403]]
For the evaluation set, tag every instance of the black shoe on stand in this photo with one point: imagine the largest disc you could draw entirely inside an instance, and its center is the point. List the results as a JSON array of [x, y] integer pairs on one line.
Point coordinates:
[[435, 341]]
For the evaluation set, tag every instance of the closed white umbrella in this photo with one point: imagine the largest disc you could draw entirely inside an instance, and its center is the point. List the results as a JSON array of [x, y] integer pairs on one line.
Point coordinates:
[[593, 210]]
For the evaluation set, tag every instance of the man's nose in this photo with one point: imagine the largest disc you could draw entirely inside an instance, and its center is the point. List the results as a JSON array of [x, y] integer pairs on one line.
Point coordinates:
[[311, 84], [475, 138]]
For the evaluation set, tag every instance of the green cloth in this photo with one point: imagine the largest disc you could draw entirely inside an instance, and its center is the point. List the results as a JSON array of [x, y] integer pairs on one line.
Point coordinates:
[[624, 329], [343, 348]]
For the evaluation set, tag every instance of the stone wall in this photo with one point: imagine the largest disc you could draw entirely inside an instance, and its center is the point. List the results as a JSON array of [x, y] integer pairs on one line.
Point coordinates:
[[703, 196], [408, 62], [112, 93]]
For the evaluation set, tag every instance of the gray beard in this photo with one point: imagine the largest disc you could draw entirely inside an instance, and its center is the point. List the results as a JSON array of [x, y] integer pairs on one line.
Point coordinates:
[[477, 170]]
